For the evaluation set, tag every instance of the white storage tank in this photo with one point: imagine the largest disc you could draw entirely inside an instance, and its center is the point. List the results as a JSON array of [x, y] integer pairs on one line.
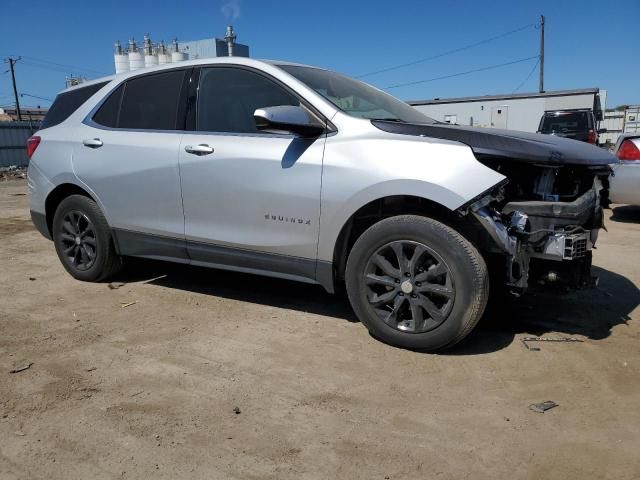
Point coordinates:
[[121, 59], [176, 54], [136, 58], [178, 57], [150, 57], [150, 60], [163, 55]]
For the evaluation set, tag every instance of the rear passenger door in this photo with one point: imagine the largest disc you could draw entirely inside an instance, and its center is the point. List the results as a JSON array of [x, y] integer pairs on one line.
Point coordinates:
[[251, 198], [127, 153]]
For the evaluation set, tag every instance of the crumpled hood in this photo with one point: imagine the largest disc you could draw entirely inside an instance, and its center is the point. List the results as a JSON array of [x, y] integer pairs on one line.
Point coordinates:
[[517, 146]]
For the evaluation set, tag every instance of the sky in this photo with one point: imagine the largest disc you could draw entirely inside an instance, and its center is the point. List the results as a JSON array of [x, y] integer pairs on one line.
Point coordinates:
[[587, 43]]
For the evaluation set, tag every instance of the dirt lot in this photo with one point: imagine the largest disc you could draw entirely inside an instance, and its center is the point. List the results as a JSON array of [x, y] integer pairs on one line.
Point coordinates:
[[150, 390]]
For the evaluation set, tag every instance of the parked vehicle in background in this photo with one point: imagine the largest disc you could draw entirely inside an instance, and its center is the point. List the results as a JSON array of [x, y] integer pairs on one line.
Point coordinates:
[[575, 124], [624, 184], [297, 172]]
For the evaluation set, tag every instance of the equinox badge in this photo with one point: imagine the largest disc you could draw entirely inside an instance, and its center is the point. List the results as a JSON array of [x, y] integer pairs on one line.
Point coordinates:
[[283, 219]]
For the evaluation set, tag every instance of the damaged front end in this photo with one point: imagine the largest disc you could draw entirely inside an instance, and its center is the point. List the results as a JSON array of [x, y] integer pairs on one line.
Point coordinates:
[[542, 225]]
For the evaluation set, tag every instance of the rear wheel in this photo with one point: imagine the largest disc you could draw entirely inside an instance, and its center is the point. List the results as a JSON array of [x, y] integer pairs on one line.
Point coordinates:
[[83, 240], [416, 283]]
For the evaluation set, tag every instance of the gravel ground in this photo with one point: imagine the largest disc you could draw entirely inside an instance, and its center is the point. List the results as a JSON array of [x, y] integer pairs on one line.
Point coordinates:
[[215, 375]]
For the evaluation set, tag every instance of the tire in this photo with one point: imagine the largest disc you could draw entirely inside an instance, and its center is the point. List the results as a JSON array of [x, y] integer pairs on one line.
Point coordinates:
[[447, 271], [83, 240]]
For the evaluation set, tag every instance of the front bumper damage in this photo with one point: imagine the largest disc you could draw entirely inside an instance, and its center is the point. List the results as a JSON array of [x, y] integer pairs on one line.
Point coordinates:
[[542, 242]]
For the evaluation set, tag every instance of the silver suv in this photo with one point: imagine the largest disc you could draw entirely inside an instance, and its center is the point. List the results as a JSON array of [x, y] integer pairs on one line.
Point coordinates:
[[297, 172]]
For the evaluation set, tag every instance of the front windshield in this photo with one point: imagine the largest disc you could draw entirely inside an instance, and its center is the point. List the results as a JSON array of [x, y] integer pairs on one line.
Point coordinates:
[[354, 97]]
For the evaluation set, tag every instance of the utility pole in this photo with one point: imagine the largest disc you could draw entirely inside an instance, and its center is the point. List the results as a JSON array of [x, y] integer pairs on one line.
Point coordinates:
[[12, 61], [541, 53]]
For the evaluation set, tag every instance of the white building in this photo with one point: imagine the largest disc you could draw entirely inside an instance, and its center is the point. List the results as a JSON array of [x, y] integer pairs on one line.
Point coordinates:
[[149, 53], [620, 121], [613, 121], [212, 47], [520, 111], [632, 119]]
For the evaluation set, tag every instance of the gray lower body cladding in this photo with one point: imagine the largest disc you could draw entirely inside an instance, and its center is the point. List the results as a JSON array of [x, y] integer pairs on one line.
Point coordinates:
[[40, 222], [144, 245]]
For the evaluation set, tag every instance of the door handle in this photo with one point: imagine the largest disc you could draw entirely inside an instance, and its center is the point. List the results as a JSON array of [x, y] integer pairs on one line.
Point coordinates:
[[92, 142], [202, 149]]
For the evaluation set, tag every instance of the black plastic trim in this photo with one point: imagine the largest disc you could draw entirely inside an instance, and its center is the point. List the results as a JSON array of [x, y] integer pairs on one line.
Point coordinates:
[[189, 99], [325, 275], [249, 259], [146, 245], [40, 222], [137, 244]]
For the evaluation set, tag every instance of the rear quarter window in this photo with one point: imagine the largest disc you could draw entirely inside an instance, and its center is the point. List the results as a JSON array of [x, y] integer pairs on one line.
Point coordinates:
[[151, 102], [109, 113], [68, 102]]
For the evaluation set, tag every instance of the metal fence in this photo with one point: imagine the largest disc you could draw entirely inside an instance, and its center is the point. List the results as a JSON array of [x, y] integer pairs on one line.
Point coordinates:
[[13, 137]]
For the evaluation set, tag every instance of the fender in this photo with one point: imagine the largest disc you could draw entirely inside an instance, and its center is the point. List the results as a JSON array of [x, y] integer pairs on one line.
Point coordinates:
[[357, 173], [72, 179]]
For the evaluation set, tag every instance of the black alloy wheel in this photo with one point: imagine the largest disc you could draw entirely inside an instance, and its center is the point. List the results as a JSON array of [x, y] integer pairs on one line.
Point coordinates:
[[78, 238], [83, 240], [416, 283], [409, 286]]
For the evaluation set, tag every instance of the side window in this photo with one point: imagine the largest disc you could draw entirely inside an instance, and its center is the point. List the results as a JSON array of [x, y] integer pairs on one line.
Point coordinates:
[[108, 113], [67, 103], [227, 98], [151, 102]]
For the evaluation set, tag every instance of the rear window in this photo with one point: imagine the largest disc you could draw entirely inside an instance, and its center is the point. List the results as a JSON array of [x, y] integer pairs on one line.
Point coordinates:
[[68, 102], [565, 122], [151, 102]]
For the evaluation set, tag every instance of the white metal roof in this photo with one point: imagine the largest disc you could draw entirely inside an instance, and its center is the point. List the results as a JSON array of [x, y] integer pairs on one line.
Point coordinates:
[[507, 96]]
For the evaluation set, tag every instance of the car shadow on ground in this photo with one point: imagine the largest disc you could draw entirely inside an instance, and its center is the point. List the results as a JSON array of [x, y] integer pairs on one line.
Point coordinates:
[[244, 287], [590, 313], [625, 214]]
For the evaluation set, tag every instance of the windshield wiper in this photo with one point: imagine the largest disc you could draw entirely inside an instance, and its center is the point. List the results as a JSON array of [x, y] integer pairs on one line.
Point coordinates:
[[390, 119]]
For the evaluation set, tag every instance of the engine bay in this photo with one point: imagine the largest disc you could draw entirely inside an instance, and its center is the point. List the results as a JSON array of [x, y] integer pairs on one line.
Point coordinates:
[[544, 221]]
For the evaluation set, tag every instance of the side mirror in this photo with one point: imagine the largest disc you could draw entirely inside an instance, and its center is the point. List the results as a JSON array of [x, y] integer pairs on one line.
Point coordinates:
[[602, 130], [287, 118]]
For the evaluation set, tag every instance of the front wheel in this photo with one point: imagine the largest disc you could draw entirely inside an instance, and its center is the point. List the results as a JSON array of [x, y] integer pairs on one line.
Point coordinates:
[[416, 283]]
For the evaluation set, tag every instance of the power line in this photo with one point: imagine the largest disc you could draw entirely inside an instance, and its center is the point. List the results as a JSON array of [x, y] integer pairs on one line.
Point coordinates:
[[490, 67], [528, 76], [35, 96], [46, 67], [39, 60], [449, 52]]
